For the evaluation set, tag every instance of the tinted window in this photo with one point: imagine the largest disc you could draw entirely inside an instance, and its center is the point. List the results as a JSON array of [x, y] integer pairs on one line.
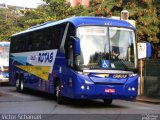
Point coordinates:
[[44, 39]]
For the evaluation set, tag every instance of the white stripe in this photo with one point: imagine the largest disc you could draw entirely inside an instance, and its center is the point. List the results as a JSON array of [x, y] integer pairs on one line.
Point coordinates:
[[108, 71], [64, 38]]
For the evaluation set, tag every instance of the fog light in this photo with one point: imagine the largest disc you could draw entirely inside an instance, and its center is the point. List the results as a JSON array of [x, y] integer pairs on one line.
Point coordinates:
[[82, 87], [82, 96], [129, 89], [133, 89], [88, 87]]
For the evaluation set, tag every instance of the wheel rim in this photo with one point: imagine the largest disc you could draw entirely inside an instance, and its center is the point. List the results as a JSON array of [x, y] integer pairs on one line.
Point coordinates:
[[17, 83], [21, 86]]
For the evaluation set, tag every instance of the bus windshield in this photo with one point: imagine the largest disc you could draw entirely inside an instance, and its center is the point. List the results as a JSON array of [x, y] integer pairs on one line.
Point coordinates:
[[107, 48]]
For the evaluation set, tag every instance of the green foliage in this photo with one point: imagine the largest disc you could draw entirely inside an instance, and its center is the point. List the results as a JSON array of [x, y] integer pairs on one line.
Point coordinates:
[[9, 23], [145, 12], [52, 11]]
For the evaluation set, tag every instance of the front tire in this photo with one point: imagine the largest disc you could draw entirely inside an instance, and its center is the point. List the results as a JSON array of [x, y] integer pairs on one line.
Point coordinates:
[[107, 101], [60, 98], [19, 85]]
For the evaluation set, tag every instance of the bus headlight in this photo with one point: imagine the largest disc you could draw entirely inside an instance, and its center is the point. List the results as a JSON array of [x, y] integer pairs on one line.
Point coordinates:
[[88, 88], [131, 89], [85, 87], [88, 82], [132, 75], [82, 87]]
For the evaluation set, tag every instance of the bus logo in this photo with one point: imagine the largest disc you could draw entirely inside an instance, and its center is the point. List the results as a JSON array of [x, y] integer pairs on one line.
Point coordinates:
[[45, 57]]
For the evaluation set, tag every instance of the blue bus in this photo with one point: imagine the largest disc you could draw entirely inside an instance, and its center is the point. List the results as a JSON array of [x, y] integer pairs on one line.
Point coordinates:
[[78, 58], [4, 62]]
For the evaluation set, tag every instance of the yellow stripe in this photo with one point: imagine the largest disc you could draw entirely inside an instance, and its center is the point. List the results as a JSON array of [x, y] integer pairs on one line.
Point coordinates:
[[39, 71], [102, 75]]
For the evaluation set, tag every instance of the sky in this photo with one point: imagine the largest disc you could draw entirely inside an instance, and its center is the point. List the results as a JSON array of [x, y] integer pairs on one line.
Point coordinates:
[[22, 3]]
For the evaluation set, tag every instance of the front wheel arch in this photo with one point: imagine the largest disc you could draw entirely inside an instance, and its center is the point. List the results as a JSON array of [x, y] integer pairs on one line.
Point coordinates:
[[58, 91]]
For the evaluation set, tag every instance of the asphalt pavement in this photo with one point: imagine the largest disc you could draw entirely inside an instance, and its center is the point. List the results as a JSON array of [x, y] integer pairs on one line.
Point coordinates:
[[41, 106]]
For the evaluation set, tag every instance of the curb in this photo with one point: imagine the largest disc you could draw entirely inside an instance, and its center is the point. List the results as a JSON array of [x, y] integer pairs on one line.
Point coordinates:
[[148, 100]]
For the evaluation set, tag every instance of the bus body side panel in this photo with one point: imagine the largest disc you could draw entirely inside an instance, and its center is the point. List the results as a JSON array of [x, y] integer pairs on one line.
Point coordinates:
[[34, 74], [64, 74], [35, 69]]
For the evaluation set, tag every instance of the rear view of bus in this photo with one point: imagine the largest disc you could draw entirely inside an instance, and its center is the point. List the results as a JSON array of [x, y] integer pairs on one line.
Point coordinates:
[[4, 61]]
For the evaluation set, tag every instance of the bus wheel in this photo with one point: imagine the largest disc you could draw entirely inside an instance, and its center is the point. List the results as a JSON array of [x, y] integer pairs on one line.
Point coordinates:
[[107, 101], [60, 99], [19, 85]]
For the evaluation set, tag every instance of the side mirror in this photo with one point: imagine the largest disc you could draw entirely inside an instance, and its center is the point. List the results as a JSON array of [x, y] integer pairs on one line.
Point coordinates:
[[76, 42]]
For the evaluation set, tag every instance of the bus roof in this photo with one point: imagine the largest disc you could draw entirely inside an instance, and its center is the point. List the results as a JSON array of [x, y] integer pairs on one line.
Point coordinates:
[[81, 21], [4, 44]]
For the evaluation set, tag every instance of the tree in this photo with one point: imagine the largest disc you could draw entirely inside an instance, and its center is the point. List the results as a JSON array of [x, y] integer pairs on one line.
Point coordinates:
[[146, 13], [53, 10], [13, 21], [8, 23]]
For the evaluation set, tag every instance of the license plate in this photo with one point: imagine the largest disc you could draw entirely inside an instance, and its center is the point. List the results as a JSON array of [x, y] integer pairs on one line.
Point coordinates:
[[109, 90]]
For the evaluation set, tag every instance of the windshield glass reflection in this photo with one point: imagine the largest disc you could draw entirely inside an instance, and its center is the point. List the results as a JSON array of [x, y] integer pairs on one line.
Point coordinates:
[[122, 48], [106, 49]]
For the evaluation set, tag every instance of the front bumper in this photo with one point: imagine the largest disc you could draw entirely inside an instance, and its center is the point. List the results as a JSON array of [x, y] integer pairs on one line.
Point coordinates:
[[98, 92], [126, 91]]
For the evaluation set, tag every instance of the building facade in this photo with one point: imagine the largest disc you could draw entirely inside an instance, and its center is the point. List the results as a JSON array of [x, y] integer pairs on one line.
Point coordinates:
[[3, 5], [20, 4], [77, 2]]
